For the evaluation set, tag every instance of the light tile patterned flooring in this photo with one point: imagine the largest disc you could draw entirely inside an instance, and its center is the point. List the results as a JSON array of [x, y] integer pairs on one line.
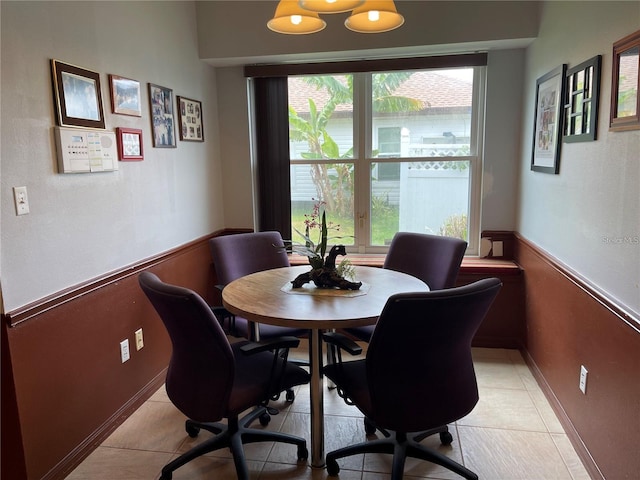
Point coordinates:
[[511, 434]]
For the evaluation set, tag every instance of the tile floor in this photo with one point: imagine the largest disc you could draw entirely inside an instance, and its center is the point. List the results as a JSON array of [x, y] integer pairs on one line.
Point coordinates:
[[511, 434]]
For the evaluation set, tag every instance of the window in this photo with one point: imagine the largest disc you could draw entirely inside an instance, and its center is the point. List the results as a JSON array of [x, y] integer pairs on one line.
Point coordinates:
[[387, 149], [388, 142], [393, 182]]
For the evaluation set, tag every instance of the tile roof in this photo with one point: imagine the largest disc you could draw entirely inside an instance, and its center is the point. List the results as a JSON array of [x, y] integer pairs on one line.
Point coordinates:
[[435, 89]]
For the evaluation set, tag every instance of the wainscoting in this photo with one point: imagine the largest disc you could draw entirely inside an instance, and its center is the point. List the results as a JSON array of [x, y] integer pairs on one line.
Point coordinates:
[[569, 325], [504, 325], [70, 389], [64, 388]]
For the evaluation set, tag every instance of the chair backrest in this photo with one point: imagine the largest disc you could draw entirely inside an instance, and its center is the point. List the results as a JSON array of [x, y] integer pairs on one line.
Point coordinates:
[[235, 256], [202, 367], [426, 379], [432, 258]]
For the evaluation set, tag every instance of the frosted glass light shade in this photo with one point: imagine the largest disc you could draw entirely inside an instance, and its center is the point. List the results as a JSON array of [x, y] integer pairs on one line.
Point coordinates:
[[291, 19], [330, 6], [374, 16]]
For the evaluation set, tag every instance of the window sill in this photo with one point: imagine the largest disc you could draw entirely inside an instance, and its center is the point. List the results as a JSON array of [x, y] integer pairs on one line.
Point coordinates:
[[470, 265]]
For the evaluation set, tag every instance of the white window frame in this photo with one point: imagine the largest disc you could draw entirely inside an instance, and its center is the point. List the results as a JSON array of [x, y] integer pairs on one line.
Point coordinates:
[[363, 141]]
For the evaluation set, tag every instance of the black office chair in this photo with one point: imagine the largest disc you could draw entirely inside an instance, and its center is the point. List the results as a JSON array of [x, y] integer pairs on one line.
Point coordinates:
[[417, 374], [433, 259], [235, 256], [209, 379]]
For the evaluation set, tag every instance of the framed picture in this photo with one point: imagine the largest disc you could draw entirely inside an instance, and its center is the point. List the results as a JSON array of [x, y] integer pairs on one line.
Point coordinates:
[[129, 144], [163, 123], [190, 120], [547, 121], [625, 101], [582, 94], [78, 96], [125, 96]]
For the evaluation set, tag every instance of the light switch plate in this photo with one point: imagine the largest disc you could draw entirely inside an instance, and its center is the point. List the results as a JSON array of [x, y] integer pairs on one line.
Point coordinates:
[[139, 339], [21, 199]]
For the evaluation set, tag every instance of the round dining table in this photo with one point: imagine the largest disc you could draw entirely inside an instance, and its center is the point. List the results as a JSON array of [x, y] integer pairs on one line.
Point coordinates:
[[268, 297]]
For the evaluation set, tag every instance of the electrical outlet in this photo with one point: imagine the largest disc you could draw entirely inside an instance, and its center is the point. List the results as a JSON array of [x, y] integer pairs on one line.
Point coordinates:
[[139, 339], [583, 379], [498, 249], [124, 350], [21, 199]]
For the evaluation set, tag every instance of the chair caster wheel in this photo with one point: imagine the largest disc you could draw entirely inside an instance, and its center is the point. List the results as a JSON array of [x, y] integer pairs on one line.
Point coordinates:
[[446, 438], [192, 431], [290, 396], [333, 469], [303, 453], [166, 476], [369, 426], [264, 419]]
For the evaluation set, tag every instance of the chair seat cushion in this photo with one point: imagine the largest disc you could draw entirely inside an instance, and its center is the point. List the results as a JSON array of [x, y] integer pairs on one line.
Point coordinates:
[[252, 378], [352, 378]]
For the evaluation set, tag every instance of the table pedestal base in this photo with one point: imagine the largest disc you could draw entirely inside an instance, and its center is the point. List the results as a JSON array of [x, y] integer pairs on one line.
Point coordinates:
[[316, 398]]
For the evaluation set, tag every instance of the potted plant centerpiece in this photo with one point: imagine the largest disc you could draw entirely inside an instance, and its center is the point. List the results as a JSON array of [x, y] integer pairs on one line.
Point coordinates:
[[324, 273]]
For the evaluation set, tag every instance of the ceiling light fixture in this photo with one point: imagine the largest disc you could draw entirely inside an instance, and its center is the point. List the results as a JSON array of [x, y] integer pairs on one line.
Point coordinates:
[[375, 16], [330, 6], [296, 17], [290, 18]]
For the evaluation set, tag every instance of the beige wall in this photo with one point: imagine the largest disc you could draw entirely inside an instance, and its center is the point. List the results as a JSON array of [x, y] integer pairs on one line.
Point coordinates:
[[82, 226], [235, 148], [580, 215]]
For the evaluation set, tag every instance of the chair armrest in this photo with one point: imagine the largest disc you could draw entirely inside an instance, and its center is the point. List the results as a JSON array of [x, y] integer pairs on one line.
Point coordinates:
[[270, 345], [279, 346], [343, 342]]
